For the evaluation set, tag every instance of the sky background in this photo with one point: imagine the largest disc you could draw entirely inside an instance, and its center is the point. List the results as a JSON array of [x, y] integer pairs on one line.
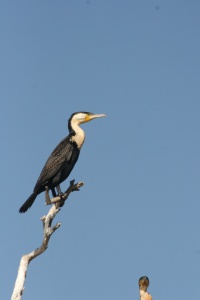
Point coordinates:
[[138, 212]]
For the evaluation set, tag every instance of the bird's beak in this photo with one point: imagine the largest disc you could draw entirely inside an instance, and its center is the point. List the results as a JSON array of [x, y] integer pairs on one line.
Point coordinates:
[[94, 116]]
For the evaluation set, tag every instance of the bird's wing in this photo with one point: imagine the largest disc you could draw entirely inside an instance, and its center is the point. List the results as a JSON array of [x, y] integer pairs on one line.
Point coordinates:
[[60, 155]]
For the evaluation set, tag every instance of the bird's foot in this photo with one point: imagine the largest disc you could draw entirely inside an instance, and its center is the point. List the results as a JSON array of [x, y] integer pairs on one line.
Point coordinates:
[[62, 199]]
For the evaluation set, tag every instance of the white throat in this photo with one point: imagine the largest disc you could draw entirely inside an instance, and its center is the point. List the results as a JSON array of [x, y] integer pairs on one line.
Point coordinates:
[[79, 136], [142, 294]]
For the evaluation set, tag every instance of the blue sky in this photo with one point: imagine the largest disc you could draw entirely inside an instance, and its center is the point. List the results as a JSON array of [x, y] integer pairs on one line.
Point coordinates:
[[138, 213]]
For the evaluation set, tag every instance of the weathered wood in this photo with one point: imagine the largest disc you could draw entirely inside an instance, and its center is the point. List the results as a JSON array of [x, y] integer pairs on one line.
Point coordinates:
[[48, 230]]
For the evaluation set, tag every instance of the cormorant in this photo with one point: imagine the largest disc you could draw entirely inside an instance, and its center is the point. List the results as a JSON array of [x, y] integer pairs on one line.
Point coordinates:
[[63, 158]]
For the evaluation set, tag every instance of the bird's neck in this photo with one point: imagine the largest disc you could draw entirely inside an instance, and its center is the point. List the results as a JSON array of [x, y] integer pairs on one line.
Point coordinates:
[[143, 292], [78, 136]]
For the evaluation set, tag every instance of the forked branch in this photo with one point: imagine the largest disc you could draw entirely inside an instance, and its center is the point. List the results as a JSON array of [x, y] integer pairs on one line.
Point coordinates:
[[48, 230]]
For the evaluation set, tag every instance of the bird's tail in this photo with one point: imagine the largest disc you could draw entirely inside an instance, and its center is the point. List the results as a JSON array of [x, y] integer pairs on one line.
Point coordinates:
[[28, 203]]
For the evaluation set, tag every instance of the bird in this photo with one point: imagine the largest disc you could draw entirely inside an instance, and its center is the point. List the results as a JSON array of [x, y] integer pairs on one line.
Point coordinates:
[[63, 158]]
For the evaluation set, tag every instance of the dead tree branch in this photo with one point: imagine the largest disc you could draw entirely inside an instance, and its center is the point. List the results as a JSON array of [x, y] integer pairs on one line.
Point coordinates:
[[48, 230]]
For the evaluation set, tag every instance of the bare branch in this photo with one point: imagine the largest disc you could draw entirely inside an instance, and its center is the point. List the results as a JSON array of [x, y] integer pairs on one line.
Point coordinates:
[[61, 199], [48, 230]]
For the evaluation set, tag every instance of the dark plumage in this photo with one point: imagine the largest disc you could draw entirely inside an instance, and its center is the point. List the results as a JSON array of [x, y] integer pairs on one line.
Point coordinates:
[[63, 158]]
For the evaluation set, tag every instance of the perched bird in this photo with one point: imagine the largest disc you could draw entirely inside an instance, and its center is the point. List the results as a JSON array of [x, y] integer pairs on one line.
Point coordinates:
[[63, 158]]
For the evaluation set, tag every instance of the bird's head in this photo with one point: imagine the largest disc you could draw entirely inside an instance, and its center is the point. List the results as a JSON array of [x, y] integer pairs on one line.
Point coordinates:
[[82, 117]]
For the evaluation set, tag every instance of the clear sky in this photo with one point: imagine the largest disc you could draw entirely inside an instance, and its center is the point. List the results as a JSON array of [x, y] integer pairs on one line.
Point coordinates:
[[138, 213]]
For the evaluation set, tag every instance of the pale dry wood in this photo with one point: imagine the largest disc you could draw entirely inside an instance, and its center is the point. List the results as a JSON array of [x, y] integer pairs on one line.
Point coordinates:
[[47, 232], [73, 187]]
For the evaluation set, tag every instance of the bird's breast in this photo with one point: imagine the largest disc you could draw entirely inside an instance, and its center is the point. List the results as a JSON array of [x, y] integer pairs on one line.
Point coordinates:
[[78, 139]]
